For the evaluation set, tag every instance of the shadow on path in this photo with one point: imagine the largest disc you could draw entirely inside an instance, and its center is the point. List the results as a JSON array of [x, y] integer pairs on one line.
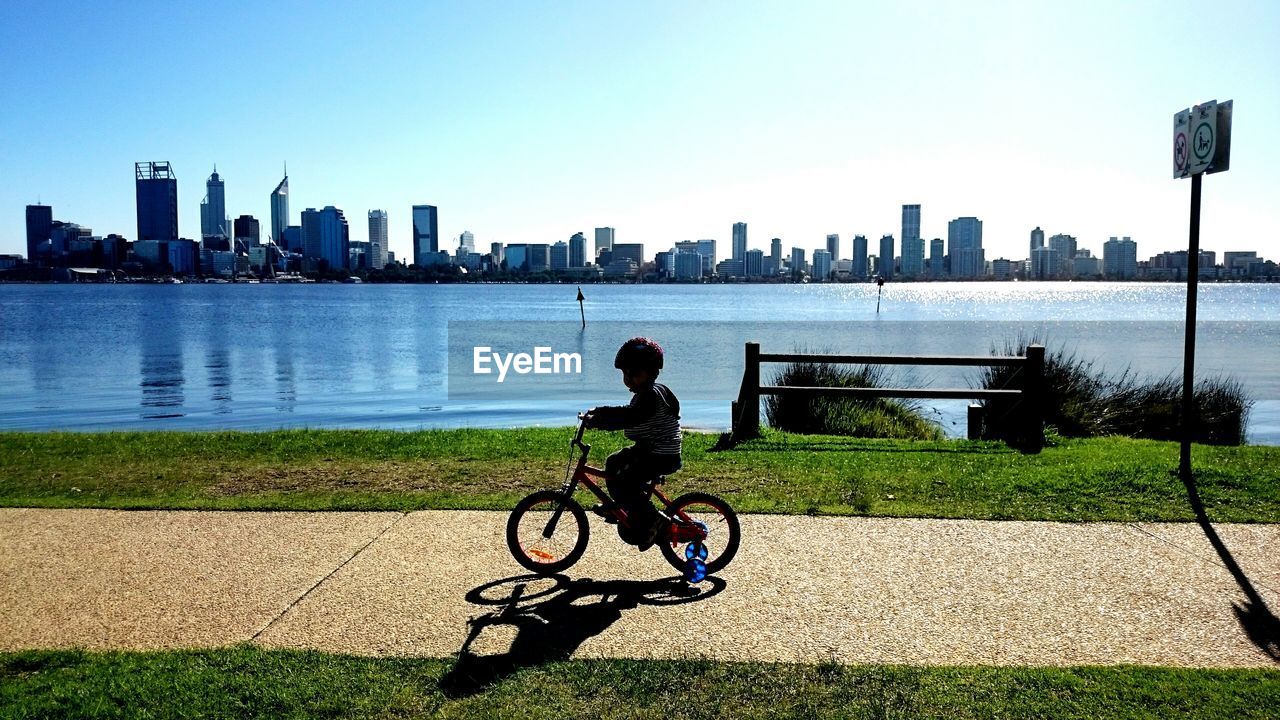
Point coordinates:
[[1257, 620], [553, 616]]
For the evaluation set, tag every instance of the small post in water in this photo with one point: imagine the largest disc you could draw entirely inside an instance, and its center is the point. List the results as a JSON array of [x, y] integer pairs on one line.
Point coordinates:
[[581, 309]]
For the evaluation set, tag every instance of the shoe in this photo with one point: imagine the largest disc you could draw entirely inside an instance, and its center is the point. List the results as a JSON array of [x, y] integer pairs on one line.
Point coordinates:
[[605, 510], [651, 537]]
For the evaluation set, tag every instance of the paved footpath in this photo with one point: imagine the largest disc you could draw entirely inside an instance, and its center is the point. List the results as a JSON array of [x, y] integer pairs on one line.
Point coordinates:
[[802, 589]]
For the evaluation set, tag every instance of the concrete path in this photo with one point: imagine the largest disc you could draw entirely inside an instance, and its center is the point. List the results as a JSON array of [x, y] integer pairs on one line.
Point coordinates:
[[802, 589]]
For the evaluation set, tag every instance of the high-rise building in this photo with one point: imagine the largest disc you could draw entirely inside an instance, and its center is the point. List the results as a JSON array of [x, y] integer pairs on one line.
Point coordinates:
[[577, 251], [1037, 238], [495, 250], [213, 209], [1045, 264], [426, 237], [467, 241], [247, 231], [821, 264], [739, 241], [687, 265], [937, 259], [775, 255], [964, 245], [280, 211], [538, 258], [378, 239], [39, 224], [156, 190], [560, 255], [326, 237], [755, 263], [797, 260], [1120, 259], [885, 268], [1065, 246], [858, 269], [629, 251], [910, 222], [833, 247], [604, 239]]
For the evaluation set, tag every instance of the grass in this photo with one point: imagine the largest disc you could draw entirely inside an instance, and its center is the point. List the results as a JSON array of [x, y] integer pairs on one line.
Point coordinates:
[[855, 417], [248, 682], [1100, 479]]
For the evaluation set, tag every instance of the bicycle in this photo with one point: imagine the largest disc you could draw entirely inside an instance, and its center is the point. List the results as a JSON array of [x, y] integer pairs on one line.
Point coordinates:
[[699, 537]]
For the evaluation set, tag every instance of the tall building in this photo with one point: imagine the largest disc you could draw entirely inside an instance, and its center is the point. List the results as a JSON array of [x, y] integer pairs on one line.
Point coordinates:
[[1065, 246], [39, 224], [378, 239], [577, 251], [280, 211], [833, 246], [559, 255], [822, 264], [326, 237], [467, 241], [739, 241], [1037, 238], [937, 259], [156, 190], [797, 260], [247, 230], [426, 237], [495, 250], [755, 263], [775, 255], [964, 246], [858, 269], [1120, 259], [910, 222], [604, 239], [629, 251], [1045, 264], [213, 209], [885, 268]]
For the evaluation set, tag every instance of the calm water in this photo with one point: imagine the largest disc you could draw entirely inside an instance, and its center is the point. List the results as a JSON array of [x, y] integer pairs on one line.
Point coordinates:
[[264, 356]]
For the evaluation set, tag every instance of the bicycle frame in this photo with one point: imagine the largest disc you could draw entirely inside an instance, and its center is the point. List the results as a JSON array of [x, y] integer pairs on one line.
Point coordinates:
[[682, 530]]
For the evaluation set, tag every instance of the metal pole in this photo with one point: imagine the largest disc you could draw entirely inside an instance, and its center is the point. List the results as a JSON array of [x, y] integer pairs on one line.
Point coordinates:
[[1189, 353]]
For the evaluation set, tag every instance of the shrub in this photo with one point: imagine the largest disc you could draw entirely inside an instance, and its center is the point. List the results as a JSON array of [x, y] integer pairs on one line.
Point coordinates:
[[856, 417]]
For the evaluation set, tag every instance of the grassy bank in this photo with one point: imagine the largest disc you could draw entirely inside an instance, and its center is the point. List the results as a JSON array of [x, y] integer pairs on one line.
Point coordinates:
[[248, 682], [1074, 480]]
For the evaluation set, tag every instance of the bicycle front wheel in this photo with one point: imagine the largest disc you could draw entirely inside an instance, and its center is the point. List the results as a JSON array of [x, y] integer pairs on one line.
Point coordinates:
[[717, 518], [547, 532]]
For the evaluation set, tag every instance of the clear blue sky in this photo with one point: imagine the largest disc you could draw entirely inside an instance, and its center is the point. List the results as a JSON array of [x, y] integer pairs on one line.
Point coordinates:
[[528, 121]]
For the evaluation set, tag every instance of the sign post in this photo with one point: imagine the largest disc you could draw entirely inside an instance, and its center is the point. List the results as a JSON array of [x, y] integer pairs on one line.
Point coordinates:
[[1201, 145]]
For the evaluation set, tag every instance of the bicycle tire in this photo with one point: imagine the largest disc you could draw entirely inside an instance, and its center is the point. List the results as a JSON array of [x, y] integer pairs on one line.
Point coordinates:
[[729, 529], [548, 560]]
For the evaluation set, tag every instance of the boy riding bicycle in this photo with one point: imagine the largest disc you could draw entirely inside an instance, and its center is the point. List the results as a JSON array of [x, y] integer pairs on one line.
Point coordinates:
[[652, 421]]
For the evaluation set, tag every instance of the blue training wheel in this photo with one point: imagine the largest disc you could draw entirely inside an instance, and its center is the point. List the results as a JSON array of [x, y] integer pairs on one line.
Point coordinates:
[[695, 549], [695, 570]]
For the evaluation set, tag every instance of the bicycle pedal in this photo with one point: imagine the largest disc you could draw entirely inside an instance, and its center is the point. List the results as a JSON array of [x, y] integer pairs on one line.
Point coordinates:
[[606, 512]]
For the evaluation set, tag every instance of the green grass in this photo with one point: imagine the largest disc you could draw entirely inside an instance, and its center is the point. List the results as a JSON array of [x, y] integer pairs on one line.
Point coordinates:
[[1112, 479], [248, 682]]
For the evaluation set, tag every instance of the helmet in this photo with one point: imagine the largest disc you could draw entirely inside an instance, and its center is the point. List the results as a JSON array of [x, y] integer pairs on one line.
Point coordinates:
[[639, 353]]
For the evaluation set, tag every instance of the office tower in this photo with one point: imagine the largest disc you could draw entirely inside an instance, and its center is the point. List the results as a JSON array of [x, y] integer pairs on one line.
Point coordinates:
[[516, 256], [39, 223], [292, 239], [280, 211], [538, 258], [1045, 263], [687, 264], [213, 209], [1002, 269], [467, 241], [326, 237], [1065, 246], [495, 249], [910, 222], [885, 268], [859, 267], [964, 245], [1037, 238], [182, 256], [425, 235], [156, 190], [937, 259], [1120, 259], [775, 254], [629, 251], [797, 260], [822, 264], [560, 255], [739, 241], [755, 263], [833, 246], [378, 239], [247, 231], [604, 239], [577, 251]]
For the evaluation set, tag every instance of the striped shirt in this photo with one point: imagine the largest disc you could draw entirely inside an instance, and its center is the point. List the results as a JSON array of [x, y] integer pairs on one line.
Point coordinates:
[[651, 420]]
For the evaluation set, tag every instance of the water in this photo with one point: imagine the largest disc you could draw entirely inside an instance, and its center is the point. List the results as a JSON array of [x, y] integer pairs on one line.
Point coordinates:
[[95, 357]]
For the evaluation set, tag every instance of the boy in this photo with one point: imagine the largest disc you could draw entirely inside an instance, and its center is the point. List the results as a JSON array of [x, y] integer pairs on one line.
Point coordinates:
[[652, 422]]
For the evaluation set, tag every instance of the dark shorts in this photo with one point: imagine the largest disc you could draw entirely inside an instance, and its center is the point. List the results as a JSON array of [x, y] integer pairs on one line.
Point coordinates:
[[630, 469]]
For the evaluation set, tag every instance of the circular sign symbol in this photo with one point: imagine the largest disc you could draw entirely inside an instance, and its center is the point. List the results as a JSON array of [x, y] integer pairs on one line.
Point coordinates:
[[1202, 141], [1180, 151]]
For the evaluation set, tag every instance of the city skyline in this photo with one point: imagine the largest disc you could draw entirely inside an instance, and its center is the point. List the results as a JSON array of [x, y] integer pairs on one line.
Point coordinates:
[[827, 144]]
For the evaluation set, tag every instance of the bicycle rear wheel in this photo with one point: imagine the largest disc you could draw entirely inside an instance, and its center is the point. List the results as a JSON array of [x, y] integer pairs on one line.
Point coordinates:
[[547, 532], [724, 534]]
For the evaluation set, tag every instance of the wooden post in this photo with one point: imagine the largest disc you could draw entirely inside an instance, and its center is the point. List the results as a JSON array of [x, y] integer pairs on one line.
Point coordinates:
[[749, 406], [975, 421], [1034, 402]]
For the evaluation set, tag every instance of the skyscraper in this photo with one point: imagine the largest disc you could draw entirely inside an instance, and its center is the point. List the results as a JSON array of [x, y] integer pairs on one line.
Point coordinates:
[[797, 260], [912, 245], [425, 235], [1065, 247], [280, 211], [910, 222], [833, 247], [964, 245], [559, 255], [821, 264], [39, 224], [1120, 259], [775, 255], [1037, 238], [467, 241], [885, 267], [377, 239], [577, 251], [604, 239], [858, 268], [247, 230], [937, 259], [740, 241], [156, 189], [326, 237], [213, 209]]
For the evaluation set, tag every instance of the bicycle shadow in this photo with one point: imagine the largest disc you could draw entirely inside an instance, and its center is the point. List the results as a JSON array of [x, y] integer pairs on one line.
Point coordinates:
[[552, 620], [1257, 620]]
